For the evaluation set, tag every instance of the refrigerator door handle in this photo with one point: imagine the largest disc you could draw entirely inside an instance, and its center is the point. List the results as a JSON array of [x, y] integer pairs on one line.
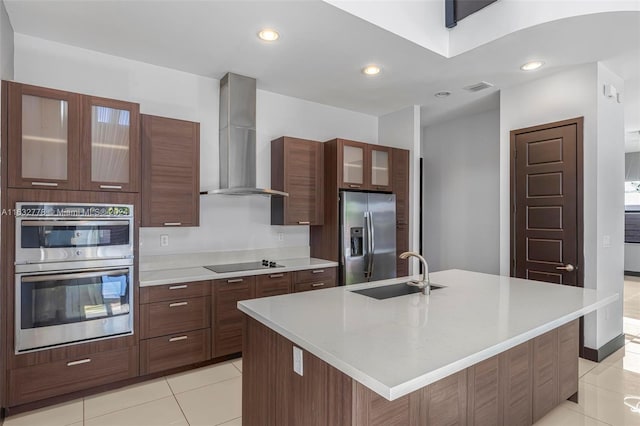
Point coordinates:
[[372, 238], [367, 232]]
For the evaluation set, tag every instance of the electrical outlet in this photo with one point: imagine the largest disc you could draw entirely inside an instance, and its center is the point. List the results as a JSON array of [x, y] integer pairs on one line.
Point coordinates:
[[280, 236], [164, 240], [297, 361]]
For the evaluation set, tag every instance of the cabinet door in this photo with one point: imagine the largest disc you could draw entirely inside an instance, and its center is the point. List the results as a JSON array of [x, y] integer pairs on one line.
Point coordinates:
[[171, 172], [227, 319], [43, 137], [352, 164], [273, 284], [400, 184], [297, 167], [380, 167], [110, 147]]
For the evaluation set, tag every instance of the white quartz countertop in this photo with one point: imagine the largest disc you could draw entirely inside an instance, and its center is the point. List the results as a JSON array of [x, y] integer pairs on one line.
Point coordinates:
[[182, 275], [398, 345]]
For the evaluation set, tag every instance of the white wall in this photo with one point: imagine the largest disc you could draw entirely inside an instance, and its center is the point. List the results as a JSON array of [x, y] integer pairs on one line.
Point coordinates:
[[227, 223], [461, 193], [632, 257], [565, 95], [6, 45], [401, 129]]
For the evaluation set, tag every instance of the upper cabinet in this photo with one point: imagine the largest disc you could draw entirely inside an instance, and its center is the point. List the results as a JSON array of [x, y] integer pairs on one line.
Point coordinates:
[[380, 171], [43, 131], [363, 166], [170, 171], [297, 167], [110, 145], [63, 140]]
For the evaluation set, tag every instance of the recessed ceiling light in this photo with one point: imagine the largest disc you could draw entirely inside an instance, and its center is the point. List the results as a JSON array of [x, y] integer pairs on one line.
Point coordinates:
[[533, 65], [371, 70], [442, 94], [268, 35]]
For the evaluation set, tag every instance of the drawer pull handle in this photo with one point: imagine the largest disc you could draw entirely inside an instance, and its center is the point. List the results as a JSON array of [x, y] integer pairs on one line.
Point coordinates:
[[306, 222], [178, 287], [173, 224], [276, 275], [317, 284], [354, 186], [44, 184], [175, 339], [110, 186], [78, 362], [237, 280], [174, 305], [318, 271]]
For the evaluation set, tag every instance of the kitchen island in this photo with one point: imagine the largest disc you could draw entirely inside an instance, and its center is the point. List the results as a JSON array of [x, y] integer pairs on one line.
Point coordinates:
[[484, 349]]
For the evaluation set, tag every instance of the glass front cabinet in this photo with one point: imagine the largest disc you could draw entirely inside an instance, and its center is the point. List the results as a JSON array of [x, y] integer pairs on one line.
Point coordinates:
[[110, 145], [364, 166], [43, 131], [64, 140]]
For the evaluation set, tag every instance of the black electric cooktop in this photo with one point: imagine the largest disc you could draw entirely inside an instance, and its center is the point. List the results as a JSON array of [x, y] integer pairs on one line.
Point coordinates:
[[248, 266]]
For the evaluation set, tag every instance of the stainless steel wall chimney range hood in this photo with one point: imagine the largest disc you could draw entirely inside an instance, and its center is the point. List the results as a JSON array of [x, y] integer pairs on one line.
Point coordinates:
[[238, 138]]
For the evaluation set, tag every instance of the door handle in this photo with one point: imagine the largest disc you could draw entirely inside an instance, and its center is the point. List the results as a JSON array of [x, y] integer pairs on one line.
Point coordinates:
[[569, 268]]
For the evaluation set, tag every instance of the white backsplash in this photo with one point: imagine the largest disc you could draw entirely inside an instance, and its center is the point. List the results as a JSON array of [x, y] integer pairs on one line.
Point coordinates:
[[191, 260], [227, 223]]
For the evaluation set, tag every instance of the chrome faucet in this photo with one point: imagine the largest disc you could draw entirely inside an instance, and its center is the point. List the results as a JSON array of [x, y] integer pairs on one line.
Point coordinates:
[[424, 283]]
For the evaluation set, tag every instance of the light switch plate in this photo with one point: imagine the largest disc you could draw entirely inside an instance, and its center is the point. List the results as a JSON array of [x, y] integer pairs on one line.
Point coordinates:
[[164, 240], [297, 361], [606, 241]]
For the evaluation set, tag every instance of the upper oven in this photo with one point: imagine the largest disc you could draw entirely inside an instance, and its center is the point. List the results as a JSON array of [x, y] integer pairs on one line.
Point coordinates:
[[48, 232]]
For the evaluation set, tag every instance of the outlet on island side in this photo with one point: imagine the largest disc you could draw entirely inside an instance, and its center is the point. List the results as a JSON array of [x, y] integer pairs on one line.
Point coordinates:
[[164, 240], [297, 361], [280, 236]]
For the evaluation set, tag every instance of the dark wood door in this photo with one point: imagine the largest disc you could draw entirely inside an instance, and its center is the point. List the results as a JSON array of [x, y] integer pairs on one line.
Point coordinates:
[[353, 165], [171, 172], [297, 167], [547, 202], [227, 318]]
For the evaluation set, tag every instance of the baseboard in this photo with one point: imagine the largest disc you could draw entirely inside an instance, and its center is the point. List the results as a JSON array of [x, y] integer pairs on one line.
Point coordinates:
[[632, 273], [605, 350]]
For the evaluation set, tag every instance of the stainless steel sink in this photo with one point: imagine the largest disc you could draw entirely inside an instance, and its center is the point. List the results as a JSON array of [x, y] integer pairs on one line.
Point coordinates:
[[393, 290]]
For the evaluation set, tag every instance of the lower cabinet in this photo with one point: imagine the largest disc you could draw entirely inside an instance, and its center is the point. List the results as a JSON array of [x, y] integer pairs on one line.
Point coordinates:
[[314, 279], [175, 329], [42, 381], [227, 319]]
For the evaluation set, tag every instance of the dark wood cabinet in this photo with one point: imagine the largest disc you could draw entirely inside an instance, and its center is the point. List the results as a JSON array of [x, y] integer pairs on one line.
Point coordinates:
[[63, 140], [314, 279], [380, 172], [175, 325], [43, 137], [110, 145], [297, 167], [227, 319], [71, 374], [353, 165], [170, 172], [400, 186], [272, 284]]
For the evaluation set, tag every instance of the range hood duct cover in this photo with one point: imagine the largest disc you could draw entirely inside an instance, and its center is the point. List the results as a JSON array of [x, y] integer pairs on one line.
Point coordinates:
[[238, 138]]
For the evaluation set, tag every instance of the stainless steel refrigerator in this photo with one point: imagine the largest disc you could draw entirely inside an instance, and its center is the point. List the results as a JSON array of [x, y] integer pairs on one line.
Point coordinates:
[[367, 237]]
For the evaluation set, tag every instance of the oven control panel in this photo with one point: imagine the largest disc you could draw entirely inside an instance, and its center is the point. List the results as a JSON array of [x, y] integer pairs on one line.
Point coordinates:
[[73, 210]]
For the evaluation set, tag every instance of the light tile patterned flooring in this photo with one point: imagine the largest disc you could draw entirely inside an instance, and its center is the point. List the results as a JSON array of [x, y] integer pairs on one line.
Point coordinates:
[[211, 396]]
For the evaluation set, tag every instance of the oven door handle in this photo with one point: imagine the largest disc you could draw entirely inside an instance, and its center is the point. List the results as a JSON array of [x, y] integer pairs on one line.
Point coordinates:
[[73, 222], [39, 278]]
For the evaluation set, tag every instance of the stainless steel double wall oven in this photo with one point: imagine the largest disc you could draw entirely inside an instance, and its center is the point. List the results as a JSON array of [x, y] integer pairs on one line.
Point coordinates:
[[74, 273]]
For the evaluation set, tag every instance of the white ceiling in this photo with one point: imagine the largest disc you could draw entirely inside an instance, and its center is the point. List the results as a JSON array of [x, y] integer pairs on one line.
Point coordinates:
[[322, 50]]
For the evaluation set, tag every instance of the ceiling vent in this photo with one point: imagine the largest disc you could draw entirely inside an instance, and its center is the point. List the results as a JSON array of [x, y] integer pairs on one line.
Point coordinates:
[[478, 86]]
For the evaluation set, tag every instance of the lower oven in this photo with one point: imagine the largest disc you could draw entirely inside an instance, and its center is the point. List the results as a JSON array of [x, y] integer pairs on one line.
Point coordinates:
[[61, 307]]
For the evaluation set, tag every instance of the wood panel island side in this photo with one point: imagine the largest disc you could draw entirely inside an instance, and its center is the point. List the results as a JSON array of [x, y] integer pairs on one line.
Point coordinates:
[[483, 350]]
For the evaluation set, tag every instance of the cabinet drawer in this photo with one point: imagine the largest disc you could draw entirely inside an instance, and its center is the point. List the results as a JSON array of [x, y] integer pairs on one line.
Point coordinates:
[[316, 285], [174, 350], [273, 284], [315, 275], [176, 316], [57, 378], [163, 293]]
